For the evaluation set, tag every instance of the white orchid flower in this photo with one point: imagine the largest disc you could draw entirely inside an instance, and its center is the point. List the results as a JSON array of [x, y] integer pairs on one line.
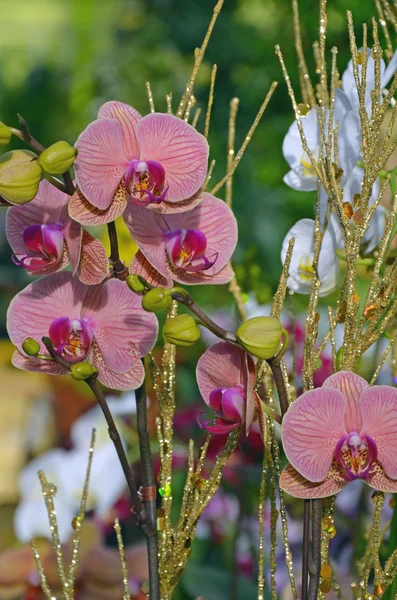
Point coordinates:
[[349, 84], [302, 175], [301, 270], [351, 187], [67, 470]]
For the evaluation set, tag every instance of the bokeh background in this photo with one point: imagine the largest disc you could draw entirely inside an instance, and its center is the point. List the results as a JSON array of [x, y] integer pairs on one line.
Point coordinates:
[[59, 61]]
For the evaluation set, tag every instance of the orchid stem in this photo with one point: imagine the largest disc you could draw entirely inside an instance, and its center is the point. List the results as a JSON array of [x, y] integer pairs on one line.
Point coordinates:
[[119, 268], [316, 549], [114, 436], [306, 546], [148, 482], [188, 301], [275, 365]]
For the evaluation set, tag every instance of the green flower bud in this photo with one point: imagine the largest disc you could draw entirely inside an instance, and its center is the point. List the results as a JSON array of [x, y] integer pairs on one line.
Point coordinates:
[[57, 158], [261, 336], [5, 134], [134, 283], [82, 370], [156, 299], [19, 176], [182, 330], [30, 347]]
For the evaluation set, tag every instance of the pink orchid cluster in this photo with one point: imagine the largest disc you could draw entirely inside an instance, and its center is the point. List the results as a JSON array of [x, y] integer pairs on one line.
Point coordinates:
[[151, 170]]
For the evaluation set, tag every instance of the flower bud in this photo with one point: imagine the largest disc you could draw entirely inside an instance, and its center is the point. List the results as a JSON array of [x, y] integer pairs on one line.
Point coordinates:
[[30, 347], [156, 299], [260, 336], [19, 176], [5, 134], [82, 370], [57, 158], [182, 330], [134, 283]]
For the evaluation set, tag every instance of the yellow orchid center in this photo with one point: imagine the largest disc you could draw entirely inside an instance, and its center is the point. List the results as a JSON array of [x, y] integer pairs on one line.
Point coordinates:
[[305, 267]]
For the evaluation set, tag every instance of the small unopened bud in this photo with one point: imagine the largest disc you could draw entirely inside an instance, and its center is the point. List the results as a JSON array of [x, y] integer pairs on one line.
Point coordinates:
[[57, 158], [134, 283], [5, 134], [182, 330], [19, 176], [82, 370], [30, 346], [156, 299], [260, 336]]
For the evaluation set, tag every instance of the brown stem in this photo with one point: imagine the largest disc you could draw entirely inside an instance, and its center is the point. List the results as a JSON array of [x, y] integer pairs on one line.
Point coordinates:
[[148, 482], [188, 301], [275, 365], [114, 436], [315, 571], [119, 268], [306, 547]]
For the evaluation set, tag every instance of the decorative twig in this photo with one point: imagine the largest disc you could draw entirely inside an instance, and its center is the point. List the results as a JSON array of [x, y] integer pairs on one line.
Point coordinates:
[[275, 365], [149, 490], [119, 268]]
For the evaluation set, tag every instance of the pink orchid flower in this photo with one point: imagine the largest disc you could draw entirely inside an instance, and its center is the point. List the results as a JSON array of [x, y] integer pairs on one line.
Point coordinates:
[[192, 248], [158, 161], [342, 431], [226, 378], [104, 324], [45, 239]]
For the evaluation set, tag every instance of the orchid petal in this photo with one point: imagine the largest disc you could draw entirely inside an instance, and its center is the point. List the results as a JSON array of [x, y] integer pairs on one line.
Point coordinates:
[[94, 264], [73, 233], [128, 117], [219, 427], [301, 184], [221, 366], [85, 213], [233, 404], [59, 331], [389, 71], [351, 386], [292, 482], [141, 266], [202, 278], [179, 148], [311, 429], [170, 208], [130, 380], [32, 311], [123, 330], [378, 406], [379, 480], [28, 363], [101, 161], [215, 399]]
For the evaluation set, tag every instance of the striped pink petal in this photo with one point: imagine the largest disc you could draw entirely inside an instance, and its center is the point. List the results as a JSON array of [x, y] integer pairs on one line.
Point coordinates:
[[128, 117], [27, 363], [311, 429], [202, 278], [149, 231], [85, 213], [170, 208], [123, 330], [130, 380], [215, 219], [351, 386], [379, 480], [141, 266], [179, 148], [32, 311], [101, 161], [378, 406], [292, 482], [73, 233], [94, 265]]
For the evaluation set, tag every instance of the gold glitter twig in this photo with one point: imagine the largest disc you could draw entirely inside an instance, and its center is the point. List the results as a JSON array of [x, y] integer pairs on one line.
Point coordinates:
[[127, 591], [210, 102], [150, 97]]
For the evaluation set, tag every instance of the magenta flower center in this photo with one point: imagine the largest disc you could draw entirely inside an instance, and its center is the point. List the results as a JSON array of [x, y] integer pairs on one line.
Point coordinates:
[[71, 338], [145, 182], [356, 454], [46, 243], [186, 248], [229, 405]]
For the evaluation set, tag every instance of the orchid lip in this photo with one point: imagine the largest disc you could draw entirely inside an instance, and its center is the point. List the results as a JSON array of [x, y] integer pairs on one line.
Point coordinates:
[[71, 338], [144, 181], [46, 241], [356, 454], [185, 249]]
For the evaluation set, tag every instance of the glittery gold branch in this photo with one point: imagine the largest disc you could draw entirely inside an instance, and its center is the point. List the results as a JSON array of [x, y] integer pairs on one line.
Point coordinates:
[[383, 24], [150, 97], [127, 592], [279, 296], [210, 102], [198, 60], [306, 86]]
